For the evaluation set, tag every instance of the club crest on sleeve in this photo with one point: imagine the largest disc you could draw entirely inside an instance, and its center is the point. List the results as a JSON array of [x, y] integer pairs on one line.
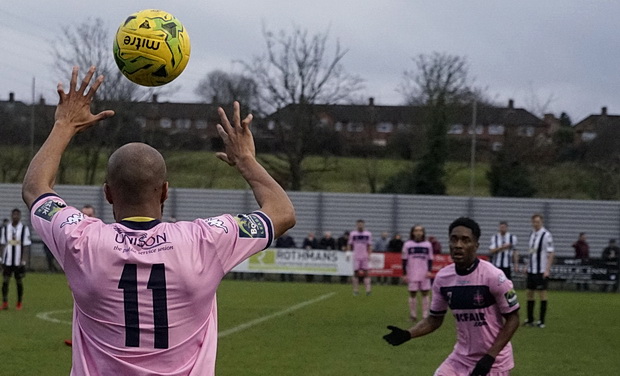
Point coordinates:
[[511, 298], [49, 209], [502, 278], [250, 226], [216, 222], [72, 219]]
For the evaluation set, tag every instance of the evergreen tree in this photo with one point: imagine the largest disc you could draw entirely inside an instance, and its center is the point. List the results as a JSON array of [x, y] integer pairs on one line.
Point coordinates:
[[508, 177]]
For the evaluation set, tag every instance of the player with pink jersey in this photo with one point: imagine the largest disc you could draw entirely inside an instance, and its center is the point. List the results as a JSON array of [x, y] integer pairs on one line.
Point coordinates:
[[417, 255], [360, 242], [144, 290], [483, 303]]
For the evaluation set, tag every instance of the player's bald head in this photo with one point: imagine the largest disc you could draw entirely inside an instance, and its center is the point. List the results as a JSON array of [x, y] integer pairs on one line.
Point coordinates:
[[136, 172]]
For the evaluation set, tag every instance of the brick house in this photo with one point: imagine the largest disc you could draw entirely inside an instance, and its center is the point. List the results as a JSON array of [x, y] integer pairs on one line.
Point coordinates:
[[375, 124]]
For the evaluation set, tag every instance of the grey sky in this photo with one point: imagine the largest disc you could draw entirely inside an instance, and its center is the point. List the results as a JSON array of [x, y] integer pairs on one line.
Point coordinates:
[[529, 50]]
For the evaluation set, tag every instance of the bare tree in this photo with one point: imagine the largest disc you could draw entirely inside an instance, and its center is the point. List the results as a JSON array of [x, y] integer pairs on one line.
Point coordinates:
[[296, 73], [86, 44], [438, 84], [438, 79], [220, 87], [536, 104]]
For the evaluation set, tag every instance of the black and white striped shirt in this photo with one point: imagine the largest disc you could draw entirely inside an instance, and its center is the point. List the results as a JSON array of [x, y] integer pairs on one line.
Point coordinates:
[[13, 239], [541, 244], [503, 258]]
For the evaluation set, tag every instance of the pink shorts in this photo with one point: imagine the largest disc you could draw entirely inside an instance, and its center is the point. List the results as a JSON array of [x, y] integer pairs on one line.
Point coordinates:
[[424, 285], [360, 264], [451, 368]]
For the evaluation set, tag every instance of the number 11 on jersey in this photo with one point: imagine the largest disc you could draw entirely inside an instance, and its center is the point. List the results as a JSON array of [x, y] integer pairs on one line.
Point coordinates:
[[157, 284]]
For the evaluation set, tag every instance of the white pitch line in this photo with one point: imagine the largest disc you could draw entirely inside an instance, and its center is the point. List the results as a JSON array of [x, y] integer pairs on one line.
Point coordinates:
[[259, 320], [47, 316]]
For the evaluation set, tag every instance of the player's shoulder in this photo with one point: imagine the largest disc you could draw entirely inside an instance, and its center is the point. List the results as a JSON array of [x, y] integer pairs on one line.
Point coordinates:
[[487, 267], [445, 272]]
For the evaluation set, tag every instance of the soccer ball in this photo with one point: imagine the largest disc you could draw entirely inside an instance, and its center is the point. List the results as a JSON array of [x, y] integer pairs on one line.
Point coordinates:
[[151, 47]]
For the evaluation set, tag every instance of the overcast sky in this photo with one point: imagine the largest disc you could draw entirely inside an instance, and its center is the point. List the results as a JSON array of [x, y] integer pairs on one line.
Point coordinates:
[[529, 50]]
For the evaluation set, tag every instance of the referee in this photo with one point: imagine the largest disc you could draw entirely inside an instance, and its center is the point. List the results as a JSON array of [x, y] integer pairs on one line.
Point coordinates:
[[15, 240], [503, 250], [538, 269]]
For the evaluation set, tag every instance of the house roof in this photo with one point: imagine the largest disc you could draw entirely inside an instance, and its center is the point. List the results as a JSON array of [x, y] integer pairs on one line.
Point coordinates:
[[597, 122], [416, 114]]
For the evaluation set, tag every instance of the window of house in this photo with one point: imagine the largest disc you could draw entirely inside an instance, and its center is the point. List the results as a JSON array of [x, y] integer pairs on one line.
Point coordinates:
[[479, 129], [141, 121], [526, 130], [165, 122], [355, 127], [496, 129], [338, 127], [588, 136], [183, 123], [497, 146], [201, 124], [455, 129], [385, 127]]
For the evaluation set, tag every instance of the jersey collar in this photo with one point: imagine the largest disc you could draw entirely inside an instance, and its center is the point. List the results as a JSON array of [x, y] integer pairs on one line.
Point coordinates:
[[140, 223], [468, 270]]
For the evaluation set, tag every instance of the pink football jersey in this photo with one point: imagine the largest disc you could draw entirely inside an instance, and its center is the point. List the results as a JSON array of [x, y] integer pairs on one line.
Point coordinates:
[[144, 292], [477, 300], [360, 242], [417, 254]]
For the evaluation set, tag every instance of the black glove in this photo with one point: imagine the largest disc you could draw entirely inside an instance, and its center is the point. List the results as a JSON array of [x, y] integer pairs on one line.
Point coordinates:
[[483, 366], [397, 337]]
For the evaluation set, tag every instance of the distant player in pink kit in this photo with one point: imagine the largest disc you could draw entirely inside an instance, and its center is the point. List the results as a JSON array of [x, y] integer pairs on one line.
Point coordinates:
[[360, 242], [484, 305], [417, 255], [144, 290]]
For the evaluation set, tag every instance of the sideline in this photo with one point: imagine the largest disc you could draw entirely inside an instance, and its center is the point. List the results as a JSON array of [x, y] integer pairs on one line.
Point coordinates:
[[259, 320], [47, 316]]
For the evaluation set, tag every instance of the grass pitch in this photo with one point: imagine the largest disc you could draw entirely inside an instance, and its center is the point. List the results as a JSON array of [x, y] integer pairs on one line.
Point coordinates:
[[337, 334]]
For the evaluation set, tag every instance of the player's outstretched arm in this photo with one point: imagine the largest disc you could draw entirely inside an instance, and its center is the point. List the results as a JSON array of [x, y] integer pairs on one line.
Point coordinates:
[[72, 116], [398, 336], [241, 154]]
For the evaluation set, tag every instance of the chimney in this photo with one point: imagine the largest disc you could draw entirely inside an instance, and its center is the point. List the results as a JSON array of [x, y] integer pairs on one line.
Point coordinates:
[[154, 99], [11, 97], [371, 101], [604, 111], [511, 104]]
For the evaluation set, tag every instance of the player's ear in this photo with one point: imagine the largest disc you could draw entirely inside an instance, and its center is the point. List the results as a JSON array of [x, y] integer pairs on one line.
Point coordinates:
[[164, 192], [108, 193]]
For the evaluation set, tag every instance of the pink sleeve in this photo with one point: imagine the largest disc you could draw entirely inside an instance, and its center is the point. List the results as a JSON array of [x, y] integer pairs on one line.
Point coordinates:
[[439, 305], [58, 225], [235, 238], [504, 293]]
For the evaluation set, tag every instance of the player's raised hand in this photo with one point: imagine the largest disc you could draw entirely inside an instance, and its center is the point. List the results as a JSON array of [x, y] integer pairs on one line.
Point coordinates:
[[237, 137], [397, 336], [73, 110]]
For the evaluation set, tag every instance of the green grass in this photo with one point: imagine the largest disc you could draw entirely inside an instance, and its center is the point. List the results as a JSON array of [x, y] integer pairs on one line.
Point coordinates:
[[340, 335]]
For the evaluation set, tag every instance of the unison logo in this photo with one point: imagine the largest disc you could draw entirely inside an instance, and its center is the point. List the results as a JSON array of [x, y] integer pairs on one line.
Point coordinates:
[[142, 240]]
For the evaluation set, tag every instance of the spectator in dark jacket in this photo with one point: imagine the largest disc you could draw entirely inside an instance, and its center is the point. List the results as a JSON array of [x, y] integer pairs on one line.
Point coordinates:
[[582, 252]]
